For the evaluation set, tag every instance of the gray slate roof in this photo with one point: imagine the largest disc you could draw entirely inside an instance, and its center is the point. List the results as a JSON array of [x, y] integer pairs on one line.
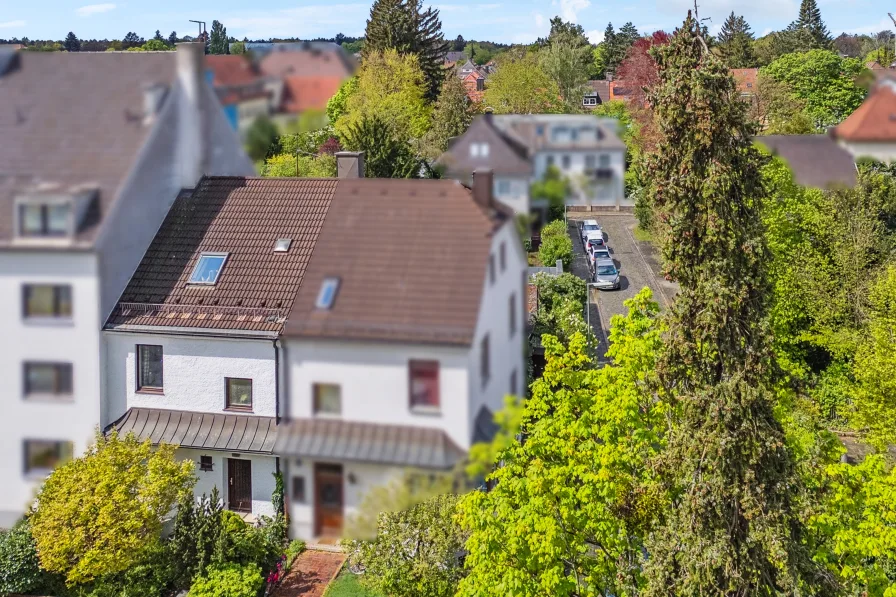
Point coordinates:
[[74, 118], [207, 431], [815, 160], [401, 445]]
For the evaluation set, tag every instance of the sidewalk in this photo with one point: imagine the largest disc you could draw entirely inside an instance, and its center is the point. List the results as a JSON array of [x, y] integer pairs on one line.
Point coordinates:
[[310, 574]]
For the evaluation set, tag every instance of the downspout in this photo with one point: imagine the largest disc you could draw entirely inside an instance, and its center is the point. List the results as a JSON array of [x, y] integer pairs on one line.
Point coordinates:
[[276, 380]]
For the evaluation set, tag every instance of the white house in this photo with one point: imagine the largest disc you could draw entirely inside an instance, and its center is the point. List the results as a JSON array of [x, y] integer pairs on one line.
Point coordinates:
[[95, 149], [520, 148], [255, 306]]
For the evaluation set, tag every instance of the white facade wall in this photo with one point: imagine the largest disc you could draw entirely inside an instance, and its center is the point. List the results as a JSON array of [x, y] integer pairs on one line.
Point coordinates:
[[194, 371], [882, 152], [507, 356], [374, 381], [358, 479], [76, 341], [263, 483], [512, 191], [610, 192]]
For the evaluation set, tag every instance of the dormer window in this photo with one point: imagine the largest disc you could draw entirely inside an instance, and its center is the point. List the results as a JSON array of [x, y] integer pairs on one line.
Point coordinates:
[[45, 219], [208, 269]]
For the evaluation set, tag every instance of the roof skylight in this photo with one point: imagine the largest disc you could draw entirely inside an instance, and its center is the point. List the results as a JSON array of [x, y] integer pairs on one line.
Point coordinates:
[[282, 245], [208, 268], [327, 294]]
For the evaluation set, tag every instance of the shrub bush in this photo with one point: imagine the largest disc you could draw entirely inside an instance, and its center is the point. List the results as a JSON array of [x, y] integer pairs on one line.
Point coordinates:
[[228, 580], [555, 248], [20, 570], [417, 552], [293, 550]]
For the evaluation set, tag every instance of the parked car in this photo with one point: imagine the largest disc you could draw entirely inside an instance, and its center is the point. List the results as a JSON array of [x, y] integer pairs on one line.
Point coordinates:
[[595, 240], [606, 275], [598, 254], [587, 227]]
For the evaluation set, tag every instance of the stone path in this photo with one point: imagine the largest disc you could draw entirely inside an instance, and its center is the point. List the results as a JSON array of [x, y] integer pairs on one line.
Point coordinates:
[[310, 574]]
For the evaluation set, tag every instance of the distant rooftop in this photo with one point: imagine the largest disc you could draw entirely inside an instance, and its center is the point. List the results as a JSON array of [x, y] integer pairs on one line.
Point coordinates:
[[815, 160]]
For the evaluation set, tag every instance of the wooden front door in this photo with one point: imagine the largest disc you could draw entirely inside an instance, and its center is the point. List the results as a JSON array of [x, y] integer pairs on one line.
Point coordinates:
[[239, 485], [328, 500]]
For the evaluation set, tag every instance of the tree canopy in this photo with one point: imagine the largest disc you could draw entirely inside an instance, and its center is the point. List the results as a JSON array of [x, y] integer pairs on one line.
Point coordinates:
[[217, 41], [736, 42], [808, 30], [521, 86]]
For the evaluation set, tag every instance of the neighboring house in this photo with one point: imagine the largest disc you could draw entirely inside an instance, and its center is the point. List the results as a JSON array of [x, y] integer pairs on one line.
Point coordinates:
[[815, 160], [746, 80], [520, 148], [310, 76], [598, 93], [242, 90], [452, 58], [870, 131], [473, 77], [86, 177], [251, 308]]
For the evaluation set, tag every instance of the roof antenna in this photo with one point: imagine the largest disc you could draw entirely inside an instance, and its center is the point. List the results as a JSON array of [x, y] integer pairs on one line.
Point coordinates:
[[203, 34]]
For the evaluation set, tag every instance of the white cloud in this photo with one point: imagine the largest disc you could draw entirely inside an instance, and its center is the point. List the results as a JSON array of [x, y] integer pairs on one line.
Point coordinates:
[[882, 25], [570, 9], [93, 9], [539, 20], [595, 36], [303, 21], [12, 24]]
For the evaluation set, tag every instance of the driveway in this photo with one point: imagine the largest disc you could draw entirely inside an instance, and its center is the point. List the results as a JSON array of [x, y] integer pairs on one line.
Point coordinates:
[[638, 263]]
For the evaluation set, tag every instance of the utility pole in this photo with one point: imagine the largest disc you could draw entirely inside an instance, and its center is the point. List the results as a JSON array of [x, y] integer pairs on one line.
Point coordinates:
[[203, 34]]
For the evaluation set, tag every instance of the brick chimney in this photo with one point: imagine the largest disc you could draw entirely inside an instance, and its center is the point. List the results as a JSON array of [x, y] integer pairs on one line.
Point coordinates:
[[483, 184], [350, 164], [193, 124]]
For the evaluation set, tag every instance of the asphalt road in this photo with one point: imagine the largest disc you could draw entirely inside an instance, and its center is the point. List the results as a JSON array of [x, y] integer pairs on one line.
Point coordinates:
[[637, 263]]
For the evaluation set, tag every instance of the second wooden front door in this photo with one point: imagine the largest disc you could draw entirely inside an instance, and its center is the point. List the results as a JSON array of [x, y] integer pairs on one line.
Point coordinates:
[[239, 485], [328, 500]]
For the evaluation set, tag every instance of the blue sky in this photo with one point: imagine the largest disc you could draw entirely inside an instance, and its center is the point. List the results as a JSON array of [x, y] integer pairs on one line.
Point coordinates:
[[497, 20]]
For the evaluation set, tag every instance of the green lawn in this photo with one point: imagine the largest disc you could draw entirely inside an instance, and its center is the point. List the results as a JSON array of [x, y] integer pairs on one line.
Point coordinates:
[[642, 235], [347, 585]]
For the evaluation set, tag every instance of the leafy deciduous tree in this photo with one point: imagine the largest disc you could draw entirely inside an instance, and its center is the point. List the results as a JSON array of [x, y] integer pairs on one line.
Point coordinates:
[[385, 154], [567, 64], [451, 116], [521, 86]]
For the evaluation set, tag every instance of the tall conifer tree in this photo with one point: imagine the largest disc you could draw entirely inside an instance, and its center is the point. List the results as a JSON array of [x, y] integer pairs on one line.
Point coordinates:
[[733, 528], [404, 26], [808, 30], [736, 42]]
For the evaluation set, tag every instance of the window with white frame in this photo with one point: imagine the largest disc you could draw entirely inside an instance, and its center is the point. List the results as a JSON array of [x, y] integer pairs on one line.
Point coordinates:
[[208, 268], [478, 150]]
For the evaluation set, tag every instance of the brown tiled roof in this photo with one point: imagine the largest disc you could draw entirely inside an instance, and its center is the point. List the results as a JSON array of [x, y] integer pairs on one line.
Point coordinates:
[[229, 70], [401, 284], [417, 278], [874, 120], [306, 63], [745, 78], [815, 160], [600, 88], [302, 93], [240, 216], [74, 118], [507, 156]]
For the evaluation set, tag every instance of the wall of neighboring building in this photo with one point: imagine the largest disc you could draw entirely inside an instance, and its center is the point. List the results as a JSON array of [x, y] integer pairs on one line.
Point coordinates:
[[512, 191], [506, 349], [263, 469], [374, 382], [250, 109], [358, 480], [607, 193], [75, 341], [883, 152], [194, 371]]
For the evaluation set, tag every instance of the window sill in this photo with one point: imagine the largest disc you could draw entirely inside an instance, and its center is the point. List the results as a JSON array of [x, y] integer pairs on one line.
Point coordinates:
[[37, 474], [432, 411], [238, 409], [327, 415], [38, 321], [50, 398], [153, 391]]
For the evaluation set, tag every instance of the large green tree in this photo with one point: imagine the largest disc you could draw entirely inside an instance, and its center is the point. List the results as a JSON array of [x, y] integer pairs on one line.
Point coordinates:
[[217, 41], [567, 64], [390, 86], [824, 81], [572, 503], [404, 26], [617, 44], [736, 42], [72, 43], [808, 30], [733, 527], [521, 86], [96, 515], [387, 155], [451, 116]]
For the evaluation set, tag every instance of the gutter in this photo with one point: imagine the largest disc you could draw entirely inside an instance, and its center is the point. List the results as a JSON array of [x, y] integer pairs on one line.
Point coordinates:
[[195, 332]]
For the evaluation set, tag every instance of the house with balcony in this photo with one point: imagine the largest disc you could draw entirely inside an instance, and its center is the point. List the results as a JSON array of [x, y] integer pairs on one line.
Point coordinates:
[[519, 149], [256, 336], [86, 177]]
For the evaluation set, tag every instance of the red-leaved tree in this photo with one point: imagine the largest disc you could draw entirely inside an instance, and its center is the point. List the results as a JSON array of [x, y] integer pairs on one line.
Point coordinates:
[[638, 70]]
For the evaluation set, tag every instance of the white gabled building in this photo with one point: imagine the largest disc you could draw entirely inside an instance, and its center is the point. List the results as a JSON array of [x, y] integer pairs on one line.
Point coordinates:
[[95, 147], [519, 149], [255, 314]]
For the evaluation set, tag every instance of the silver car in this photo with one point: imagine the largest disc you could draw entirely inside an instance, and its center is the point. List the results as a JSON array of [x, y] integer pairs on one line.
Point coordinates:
[[606, 275]]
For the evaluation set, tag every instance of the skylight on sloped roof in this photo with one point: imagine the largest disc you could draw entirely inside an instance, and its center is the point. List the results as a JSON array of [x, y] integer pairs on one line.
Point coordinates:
[[208, 268], [282, 245], [327, 294]]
